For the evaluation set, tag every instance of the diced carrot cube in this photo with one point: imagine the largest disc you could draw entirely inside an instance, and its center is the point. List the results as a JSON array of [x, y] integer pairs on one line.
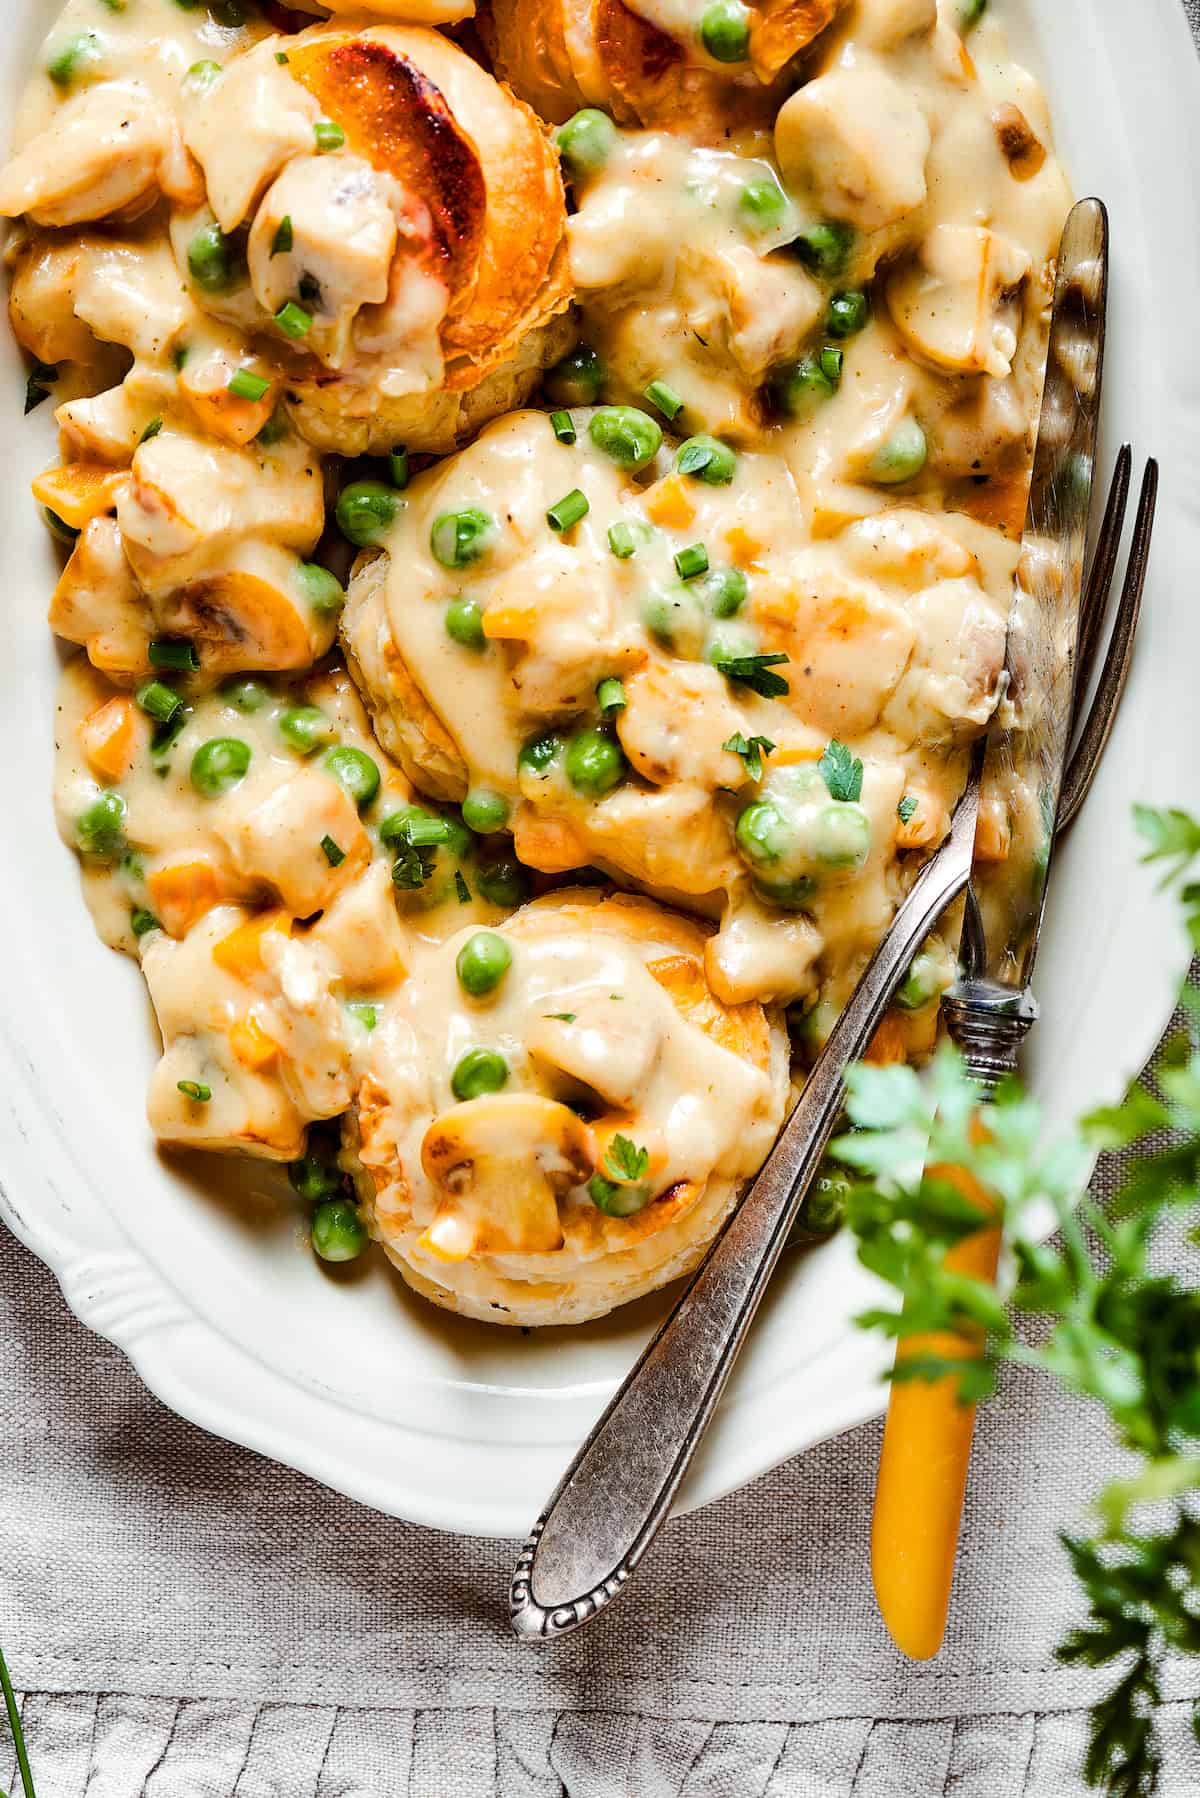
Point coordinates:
[[670, 504], [79, 491], [109, 737], [182, 893], [251, 1044], [743, 548], [240, 953]]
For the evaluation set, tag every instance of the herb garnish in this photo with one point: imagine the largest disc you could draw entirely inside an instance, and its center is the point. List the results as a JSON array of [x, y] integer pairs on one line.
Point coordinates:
[[906, 808], [754, 672], [1115, 1329], [841, 771], [751, 752], [623, 1160]]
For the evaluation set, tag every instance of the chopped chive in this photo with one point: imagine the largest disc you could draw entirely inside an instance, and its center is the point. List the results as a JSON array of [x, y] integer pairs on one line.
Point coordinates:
[[195, 1089], [366, 1013], [158, 701], [334, 855], [691, 561], [561, 1017], [424, 833], [906, 808], [281, 243], [754, 672], [664, 399], [293, 320], [141, 921], [622, 541], [151, 430], [281, 56], [174, 652], [830, 361], [461, 888], [179, 356], [568, 511], [244, 384], [328, 135], [610, 694], [398, 466], [563, 426]]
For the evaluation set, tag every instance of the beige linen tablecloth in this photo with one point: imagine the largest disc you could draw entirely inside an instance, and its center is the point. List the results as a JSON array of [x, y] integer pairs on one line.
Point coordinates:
[[185, 1620]]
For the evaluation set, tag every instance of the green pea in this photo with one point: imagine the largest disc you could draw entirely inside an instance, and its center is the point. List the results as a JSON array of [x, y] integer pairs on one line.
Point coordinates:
[[791, 895], [577, 379], [316, 1174], [922, 984], [801, 388], [246, 695], [707, 459], [477, 1072], [503, 882], [213, 260], [676, 619], [595, 764], [77, 57], [338, 1232], [322, 590], [586, 141], [366, 512], [841, 836], [305, 728], [969, 14], [539, 756], [826, 247], [725, 31], [354, 770], [219, 765], [201, 75], [847, 313], [482, 963], [485, 811], [100, 828], [614, 1200], [762, 204], [824, 1208], [459, 538], [763, 834], [902, 457], [458, 839], [726, 590], [464, 623], [58, 528], [630, 437]]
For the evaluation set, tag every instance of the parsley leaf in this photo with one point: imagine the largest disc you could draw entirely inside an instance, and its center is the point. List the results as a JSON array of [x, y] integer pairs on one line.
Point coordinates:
[[413, 864], [754, 672], [561, 1017], [624, 1161], [751, 752], [906, 808], [841, 772], [461, 888]]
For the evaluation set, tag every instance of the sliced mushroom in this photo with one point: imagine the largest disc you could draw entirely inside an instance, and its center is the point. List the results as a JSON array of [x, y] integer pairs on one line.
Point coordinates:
[[101, 154], [957, 304], [602, 1042], [499, 1164], [252, 613]]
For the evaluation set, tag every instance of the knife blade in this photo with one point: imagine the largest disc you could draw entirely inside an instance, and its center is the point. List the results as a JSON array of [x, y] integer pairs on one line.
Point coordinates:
[[927, 1436]]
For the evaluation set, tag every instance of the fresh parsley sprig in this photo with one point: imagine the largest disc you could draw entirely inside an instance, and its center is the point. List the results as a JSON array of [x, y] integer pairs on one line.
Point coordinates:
[[1117, 1331]]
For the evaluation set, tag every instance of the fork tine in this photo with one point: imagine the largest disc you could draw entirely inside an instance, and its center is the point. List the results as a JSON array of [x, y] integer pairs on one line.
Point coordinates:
[[1104, 562], [1117, 661]]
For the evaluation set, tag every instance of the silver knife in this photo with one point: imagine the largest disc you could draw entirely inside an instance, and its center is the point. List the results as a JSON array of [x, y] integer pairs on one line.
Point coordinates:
[[618, 1490]]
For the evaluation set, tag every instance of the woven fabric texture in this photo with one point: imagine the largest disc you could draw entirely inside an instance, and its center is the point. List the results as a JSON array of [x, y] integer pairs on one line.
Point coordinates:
[[186, 1620]]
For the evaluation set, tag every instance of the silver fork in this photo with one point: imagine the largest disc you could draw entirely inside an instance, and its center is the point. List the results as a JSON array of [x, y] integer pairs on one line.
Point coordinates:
[[614, 1497]]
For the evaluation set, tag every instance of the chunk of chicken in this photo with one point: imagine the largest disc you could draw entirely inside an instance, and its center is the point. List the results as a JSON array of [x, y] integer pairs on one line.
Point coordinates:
[[882, 24], [245, 126], [849, 643], [859, 141], [363, 933], [675, 722], [948, 691], [276, 831], [762, 954], [102, 154], [130, 293], [342, 236], [190, 503], [41, 302], [957, 304]]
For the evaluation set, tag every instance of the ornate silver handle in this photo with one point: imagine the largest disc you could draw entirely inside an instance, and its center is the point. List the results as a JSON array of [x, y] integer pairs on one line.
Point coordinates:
[[610, 1503]]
